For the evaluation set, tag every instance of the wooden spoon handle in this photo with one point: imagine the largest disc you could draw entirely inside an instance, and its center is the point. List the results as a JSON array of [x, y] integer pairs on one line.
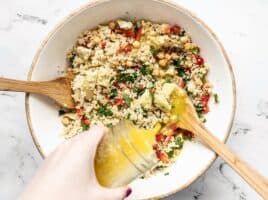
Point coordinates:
[[23, 86], [251, 176]]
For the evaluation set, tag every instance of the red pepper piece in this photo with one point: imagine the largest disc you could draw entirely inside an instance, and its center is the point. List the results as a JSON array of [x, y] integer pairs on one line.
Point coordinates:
[[162, 156], [139, 33], [85, 120], [141, 86], [103, 45], [204, 100], [127, 48], [79, 111], [160, 137], [175, 29], [166, 30], [169, 138], [116, 84], [206, 109], [127, 33], [181, 83], [199, 60], [119, 102]]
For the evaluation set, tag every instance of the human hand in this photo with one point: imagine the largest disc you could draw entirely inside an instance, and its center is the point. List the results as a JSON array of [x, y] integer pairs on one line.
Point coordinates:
[[68, 172]]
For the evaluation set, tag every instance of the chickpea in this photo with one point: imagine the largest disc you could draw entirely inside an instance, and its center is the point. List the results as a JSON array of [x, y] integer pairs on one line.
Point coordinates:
[[161, 73], [129, 63], [65, 121], [136, 44], [160, 55], [167, 56], [184, 39], [156, 72], [96, 40], [116, 63], [112, 25], [163, 63], [153, 33], [188, 46], [113, 37], [198, 81], [166, 28], [174, 56], [143, 58]]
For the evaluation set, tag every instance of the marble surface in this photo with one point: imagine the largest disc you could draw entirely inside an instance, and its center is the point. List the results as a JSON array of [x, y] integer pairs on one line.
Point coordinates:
[[242, 27]]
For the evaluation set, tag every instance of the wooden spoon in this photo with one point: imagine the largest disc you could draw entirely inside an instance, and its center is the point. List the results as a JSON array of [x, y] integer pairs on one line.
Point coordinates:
[[189, 120], [58, 89]]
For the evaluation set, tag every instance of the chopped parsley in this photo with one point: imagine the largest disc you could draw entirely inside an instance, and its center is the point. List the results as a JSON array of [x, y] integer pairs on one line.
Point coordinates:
[[145, 112], [127, 77], [166, 174], [181, 72], [187, 137], [199, 111], [216, 98], [153, 50], [170, 153], [104, 111], [127, 99], [128, 116], [195, 50], [182, 33], [177, 63], [179, 68], [139, 91], [61, 112], [109, 125], [114, 93], [145, 70], [85, 126], [178, 142]]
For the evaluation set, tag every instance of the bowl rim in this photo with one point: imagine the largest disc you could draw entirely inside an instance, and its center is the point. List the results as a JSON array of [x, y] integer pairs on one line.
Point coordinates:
[[171, 4]]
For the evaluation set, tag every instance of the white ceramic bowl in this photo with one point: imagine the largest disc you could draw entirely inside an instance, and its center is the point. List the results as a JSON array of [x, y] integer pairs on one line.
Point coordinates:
[[42, 113]]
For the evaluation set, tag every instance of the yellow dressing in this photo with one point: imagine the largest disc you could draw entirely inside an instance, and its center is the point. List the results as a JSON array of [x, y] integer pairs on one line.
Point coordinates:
[[126, 153]]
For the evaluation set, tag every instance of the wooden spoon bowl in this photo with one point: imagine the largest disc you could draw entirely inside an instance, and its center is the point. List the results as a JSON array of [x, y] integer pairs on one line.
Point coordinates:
[[59, 89]]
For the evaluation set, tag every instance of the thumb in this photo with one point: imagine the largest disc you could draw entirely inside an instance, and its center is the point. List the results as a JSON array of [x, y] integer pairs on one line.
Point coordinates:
[[117, 193]]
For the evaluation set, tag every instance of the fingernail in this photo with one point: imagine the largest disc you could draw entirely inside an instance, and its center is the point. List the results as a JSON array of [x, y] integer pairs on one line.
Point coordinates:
[[128, 192]]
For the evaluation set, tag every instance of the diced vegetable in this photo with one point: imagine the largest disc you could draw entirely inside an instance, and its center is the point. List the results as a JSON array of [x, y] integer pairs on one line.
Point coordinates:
[[146, 99], [114, 93], [139, 33], [119, 102], [124, 24], [103, 45], [104, 111], [216, 98], [127, 77], [127, 48], [127, 99], [145, 70], [199, 60], [175, 29], [160, 137], [162, 103]]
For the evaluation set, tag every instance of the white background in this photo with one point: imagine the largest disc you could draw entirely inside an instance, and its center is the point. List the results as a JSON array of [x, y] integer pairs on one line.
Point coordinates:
[[242, 27]]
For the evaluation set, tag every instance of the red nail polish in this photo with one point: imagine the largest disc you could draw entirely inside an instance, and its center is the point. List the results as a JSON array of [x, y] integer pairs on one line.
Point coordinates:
[[128, 192]]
